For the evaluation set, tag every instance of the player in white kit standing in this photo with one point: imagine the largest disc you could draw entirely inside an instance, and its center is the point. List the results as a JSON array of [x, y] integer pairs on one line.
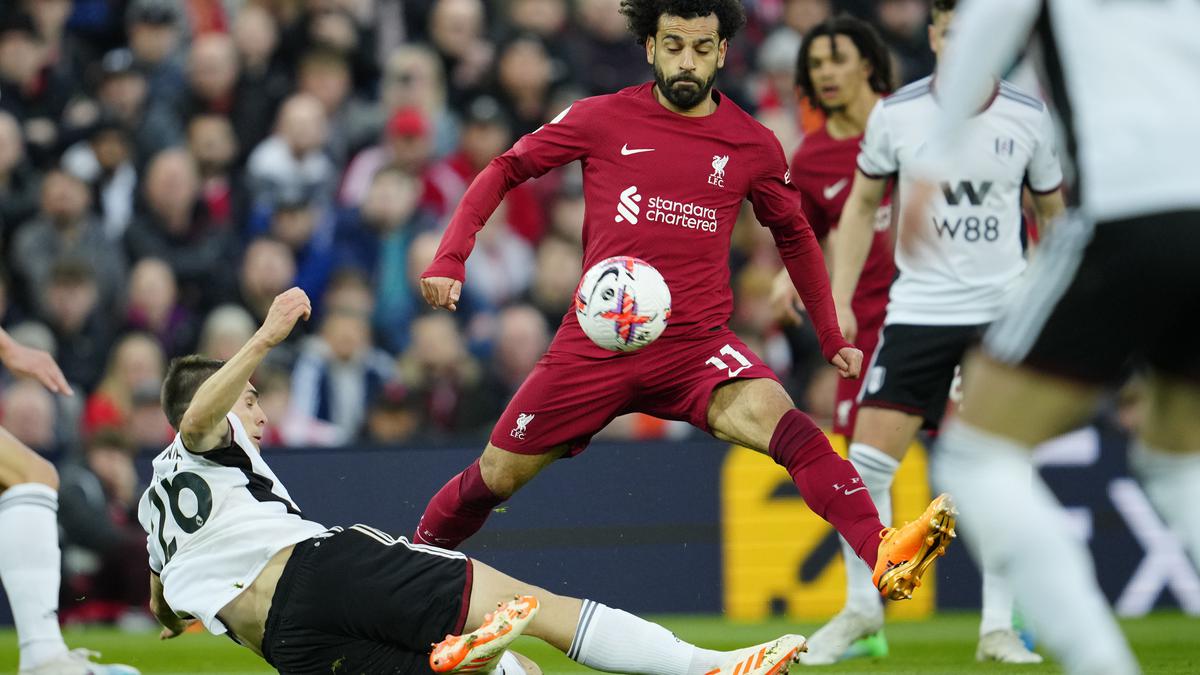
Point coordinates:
[[956, 267], [1115, 289]]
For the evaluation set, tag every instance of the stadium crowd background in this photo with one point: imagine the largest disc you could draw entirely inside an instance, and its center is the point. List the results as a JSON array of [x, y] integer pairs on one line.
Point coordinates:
[[168, 166]]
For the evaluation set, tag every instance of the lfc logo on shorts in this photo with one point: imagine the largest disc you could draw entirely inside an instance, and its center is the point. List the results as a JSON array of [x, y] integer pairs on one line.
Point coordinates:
[[523, 421]]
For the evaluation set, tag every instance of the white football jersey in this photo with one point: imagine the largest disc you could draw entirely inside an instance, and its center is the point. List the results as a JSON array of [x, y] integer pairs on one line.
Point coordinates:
[[957, 267], [213, 522], [1123, 78]]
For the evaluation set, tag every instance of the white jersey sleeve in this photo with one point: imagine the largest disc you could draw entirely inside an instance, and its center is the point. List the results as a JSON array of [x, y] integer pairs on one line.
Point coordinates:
[[877, 156], [213, 521], [1044, 172]]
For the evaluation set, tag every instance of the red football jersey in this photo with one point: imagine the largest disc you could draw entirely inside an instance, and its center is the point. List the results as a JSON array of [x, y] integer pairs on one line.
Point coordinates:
[[823, 170], [666, 188]]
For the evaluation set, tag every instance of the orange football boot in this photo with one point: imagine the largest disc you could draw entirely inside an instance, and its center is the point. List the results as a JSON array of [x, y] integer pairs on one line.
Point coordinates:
[[480, 650], [906, 553]]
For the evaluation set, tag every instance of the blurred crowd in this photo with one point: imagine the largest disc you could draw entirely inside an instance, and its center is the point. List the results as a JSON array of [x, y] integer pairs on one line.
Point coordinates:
[[168, 166]]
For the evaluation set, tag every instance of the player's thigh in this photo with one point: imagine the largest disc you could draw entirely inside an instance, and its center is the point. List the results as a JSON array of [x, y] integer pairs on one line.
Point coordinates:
[[1172, 421], [885, 429], [1023, 404], [557, 615], [19, 464], [564, 401], [506, 472], [746, 412]]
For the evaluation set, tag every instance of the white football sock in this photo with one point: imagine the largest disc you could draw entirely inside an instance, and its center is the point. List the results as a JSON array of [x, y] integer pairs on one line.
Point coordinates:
[[877, 469], [1172, 482], [997, 604], [1047, 568], [30, 568], [615, 641]]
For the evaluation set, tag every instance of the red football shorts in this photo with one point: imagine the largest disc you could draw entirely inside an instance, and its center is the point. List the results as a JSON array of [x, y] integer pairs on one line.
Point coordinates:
[[569, 397]]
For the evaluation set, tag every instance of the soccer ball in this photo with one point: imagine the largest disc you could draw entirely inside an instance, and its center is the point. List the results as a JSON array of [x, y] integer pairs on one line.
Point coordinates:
[[623, 304]]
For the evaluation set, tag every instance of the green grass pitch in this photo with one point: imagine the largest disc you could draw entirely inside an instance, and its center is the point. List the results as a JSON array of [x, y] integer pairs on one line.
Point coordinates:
[[1165, 643]]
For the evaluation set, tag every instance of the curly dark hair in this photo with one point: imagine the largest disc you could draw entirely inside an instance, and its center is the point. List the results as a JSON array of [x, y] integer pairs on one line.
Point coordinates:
[[943, 6], [642, 15], [865, 38]]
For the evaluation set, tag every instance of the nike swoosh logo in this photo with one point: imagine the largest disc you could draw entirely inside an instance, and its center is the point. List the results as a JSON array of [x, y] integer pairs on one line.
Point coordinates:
[[831, 191], [850, 492], [626, 151]]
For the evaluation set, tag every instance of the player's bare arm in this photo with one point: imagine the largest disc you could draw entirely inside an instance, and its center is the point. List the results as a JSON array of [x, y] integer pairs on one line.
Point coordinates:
[[173, 625], [851, 242], [1048, 207], [203, 426], [35, 363]]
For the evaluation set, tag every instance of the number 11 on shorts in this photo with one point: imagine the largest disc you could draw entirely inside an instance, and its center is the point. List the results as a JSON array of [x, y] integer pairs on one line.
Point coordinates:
[[719, 363]]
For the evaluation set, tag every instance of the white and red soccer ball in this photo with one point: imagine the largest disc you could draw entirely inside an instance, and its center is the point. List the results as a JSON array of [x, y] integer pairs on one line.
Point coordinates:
[[623, 304]]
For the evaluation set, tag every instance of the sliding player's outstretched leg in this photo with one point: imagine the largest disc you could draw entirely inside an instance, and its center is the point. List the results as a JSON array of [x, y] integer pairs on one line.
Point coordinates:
[[589, 633]]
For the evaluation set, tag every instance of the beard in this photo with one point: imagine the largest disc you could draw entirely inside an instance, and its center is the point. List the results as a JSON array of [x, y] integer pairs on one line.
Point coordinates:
[[684, 98]]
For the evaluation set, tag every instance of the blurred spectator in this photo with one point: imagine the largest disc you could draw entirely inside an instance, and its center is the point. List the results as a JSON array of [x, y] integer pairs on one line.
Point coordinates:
[[65, 228], [83, 328], [339, 370], [19, 182], [548, 19], [413, 77], [256, 36], [522, 336], [345, 27], [225, 330], [105, 162], [457, 32], [394, 416], [614, 59], [148, 427], [307, 228], [65, 53], [444, 378], [406, 146], [174, 225], [286, 425], [293, 158], [27, 411], [501, 265], [525, 75], [123, 92], [104, 548], [487, 132], [324, 74], [215, 86], [268, 269], [556, 274], [135, 363], [903, 24], [214, 150], [31, 93], [154, 37], [153, 307]]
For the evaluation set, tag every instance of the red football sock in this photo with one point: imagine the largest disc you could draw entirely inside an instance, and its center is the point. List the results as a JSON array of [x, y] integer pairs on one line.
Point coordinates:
[[829, 484], [458, 510]]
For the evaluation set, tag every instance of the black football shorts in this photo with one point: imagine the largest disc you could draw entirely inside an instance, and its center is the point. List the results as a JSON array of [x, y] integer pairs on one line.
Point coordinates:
[[357, 600], [1100, 301]]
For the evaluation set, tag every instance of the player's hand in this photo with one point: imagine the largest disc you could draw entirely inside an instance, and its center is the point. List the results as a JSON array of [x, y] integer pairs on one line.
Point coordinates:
[[847, 323], [286, 309], [441, 292], [178, 627], [785, 301], [848, 361], [35, 363]]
